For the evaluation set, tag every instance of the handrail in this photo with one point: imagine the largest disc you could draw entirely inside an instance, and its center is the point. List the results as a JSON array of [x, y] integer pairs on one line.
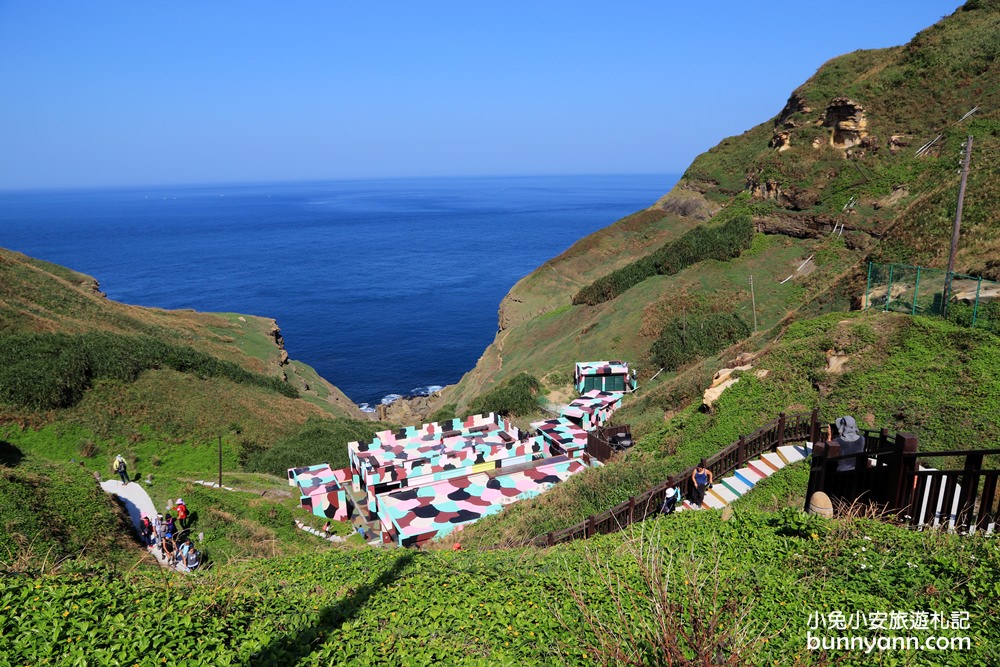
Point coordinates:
[[768, 437]]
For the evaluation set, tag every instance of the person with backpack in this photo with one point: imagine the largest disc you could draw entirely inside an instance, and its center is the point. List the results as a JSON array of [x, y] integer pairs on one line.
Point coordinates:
[[146, 531], [169, 525], [120, 467], [168, 549], [193, 559], [182, 514], [670, 501]]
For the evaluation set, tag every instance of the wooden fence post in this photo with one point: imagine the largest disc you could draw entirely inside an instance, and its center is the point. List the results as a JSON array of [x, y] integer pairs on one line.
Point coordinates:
[[900, 483], [781, 430], [741, 450], [590, 526], [970, 488], [817, 469], [814, 426], [631, 510], [548, 539]]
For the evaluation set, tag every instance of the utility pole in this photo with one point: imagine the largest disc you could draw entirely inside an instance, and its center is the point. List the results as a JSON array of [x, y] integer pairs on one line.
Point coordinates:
[[220, 461], [753, 301], [956, 228]]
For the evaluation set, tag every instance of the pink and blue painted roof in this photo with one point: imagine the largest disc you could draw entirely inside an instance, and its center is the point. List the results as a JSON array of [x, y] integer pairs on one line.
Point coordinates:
[[424, 482]]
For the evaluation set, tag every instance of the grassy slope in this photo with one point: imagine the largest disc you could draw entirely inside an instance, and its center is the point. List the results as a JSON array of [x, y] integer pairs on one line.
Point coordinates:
[[50, 512], [166, 423], [922, 375], [515, 607], [912, 92], [38, 297]]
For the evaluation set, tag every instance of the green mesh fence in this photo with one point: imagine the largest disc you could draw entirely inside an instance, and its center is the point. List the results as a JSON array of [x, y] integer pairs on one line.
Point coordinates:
[[902, 288]]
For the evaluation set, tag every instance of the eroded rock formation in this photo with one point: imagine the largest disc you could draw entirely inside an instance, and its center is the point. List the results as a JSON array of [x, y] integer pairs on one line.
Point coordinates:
[[848, 121]]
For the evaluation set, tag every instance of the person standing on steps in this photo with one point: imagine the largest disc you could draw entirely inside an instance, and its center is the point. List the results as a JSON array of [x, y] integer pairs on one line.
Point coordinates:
[[121, 468], [702, 478]]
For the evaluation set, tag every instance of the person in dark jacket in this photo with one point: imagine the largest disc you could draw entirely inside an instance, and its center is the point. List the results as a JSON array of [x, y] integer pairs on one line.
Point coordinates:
[[851, 442]]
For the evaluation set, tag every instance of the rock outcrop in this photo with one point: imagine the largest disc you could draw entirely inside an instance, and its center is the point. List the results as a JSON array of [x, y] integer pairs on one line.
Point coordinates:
[[687, 203], [848, 121]]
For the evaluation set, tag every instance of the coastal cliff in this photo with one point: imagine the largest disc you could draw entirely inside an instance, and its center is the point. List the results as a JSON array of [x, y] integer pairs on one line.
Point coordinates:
[[858, 165]]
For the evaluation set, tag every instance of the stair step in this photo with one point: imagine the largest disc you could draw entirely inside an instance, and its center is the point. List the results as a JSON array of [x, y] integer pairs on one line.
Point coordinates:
[[722, 493], [790, 454], [713, 500], [747, 476], [761, 468], [736, 486], [773, 459]]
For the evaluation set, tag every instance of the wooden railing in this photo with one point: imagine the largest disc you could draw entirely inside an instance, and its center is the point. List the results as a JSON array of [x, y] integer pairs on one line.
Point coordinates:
[[783, 430], [599, 443], [965, 500], [965, 497]]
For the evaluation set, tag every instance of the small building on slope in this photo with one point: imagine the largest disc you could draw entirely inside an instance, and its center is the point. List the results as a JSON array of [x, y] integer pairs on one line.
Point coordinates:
[[604, 376]]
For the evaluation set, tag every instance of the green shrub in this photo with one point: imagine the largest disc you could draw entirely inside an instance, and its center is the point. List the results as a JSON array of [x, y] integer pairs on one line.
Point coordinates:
[[46, 371], [514, 397], [697, 336], [319, 441], [721, 241]]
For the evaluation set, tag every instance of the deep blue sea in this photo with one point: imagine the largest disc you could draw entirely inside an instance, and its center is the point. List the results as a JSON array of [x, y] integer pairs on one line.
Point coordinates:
[[386, 287]]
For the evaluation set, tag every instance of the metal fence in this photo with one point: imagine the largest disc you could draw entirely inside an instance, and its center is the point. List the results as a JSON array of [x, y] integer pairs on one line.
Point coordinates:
[[902, 288]]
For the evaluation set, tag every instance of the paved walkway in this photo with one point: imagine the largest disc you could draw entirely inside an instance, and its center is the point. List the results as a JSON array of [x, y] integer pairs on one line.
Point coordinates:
[[137, 502]]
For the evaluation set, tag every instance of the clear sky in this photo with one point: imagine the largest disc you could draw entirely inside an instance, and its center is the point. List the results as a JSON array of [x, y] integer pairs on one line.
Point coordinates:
[[118, 92]]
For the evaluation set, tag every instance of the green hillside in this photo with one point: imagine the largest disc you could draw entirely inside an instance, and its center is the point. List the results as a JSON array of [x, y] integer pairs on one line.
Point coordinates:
[[83, 378], [686, 590], [848, 137]]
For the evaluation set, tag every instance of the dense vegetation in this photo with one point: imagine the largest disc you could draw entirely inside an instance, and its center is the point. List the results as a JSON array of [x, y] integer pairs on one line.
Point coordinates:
[[45, 371], [618, 599], [516, 396], [319, 441], [698, 335], [721, 241]]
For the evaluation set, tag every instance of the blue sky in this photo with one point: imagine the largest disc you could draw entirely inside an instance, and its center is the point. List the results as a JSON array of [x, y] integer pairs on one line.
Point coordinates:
[[123, 93]]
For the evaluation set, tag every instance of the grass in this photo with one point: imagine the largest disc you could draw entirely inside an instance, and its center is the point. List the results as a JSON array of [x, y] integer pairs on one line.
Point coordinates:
[[901, 370], [569, 605]]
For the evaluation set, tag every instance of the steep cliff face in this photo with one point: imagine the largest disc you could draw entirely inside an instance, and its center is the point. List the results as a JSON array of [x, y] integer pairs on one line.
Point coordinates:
[[859, 165]]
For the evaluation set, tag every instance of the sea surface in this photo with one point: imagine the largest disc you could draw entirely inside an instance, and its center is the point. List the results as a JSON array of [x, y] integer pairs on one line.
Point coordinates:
[[385, 287]]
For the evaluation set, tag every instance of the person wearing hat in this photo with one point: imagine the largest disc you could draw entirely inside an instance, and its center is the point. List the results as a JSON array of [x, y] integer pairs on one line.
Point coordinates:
[[121, 468], [851, 442], [169, 549], [182, 514], [159, 528]]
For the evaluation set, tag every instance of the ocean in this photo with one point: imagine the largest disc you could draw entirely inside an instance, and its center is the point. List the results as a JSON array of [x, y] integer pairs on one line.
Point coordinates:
[[386, 287]]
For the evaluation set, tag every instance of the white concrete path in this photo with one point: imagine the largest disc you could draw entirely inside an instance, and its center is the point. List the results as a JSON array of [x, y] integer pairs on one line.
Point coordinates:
[[137, 502]]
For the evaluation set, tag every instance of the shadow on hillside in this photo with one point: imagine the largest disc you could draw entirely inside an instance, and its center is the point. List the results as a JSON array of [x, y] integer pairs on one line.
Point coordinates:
[[293, 648], [10, 455]]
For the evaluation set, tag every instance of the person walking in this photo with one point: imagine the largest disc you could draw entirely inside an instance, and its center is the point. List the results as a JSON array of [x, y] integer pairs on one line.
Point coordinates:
[[182, 514], [702, 478], [146, 531], [159, 529], [121, 468]]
